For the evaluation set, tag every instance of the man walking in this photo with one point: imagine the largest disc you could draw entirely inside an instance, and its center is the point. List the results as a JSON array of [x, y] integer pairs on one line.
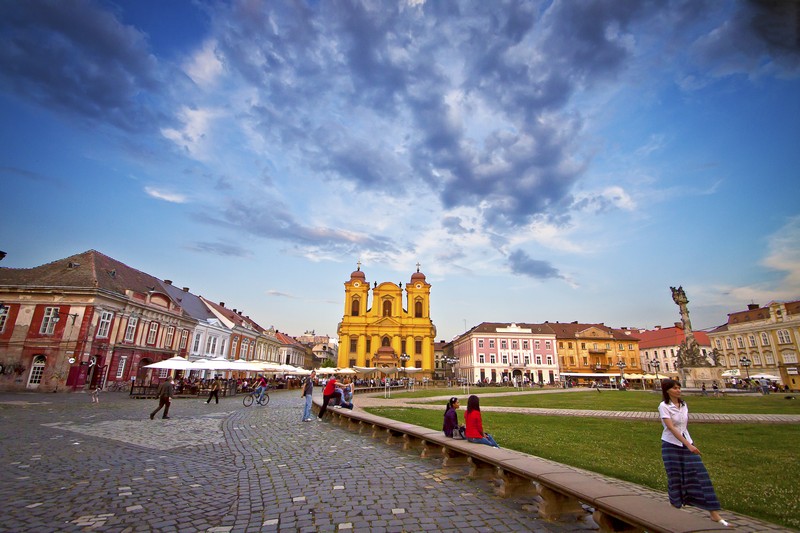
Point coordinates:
[[308, 389], [164, 394], [215, 387]]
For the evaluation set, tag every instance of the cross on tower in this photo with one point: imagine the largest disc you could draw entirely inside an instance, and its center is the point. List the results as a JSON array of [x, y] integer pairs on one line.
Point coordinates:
[[418, 267], [359, 264]]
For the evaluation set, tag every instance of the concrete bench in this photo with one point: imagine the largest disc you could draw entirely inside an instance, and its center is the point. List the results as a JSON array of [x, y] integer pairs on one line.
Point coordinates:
[[558, 491]]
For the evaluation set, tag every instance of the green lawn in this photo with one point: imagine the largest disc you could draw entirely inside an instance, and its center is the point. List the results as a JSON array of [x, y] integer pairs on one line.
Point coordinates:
[[613, 400], [754, 467]]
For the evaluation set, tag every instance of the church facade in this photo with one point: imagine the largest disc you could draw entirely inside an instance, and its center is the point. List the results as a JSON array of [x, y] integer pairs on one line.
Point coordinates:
[[382, 326]]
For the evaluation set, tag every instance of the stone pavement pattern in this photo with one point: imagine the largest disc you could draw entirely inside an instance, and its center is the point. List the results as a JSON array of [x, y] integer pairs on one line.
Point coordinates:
[[70, 465]]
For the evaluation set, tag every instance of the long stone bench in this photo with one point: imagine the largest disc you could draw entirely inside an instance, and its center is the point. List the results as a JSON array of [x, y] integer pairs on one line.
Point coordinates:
[[558, 491]]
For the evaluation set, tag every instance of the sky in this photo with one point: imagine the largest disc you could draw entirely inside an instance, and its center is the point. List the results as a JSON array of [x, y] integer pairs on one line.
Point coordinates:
[[541, 161]]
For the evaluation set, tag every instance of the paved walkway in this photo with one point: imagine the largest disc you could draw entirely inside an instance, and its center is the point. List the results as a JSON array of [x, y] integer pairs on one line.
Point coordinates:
[[378, 400], [70, 465]]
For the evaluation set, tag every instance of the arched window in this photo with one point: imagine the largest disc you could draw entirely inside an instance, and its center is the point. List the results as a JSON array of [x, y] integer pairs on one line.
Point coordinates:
[[37, 370], [387, 308], [355, 307], [418, 309], [386, 341]]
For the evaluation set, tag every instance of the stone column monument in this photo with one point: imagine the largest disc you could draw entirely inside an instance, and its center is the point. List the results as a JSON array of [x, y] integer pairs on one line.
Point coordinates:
[[693, 366]]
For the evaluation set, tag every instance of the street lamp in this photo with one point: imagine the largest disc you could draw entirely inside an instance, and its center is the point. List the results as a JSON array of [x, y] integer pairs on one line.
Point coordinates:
[[657, 364], [621, 364], [745, 362], [450, 360], [403, 358]]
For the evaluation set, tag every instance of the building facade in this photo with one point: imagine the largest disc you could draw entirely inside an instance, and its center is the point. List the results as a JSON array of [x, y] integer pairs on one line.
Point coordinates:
[[658, 349], [382, 328], [761, 340], [494, 352], [594, 352]]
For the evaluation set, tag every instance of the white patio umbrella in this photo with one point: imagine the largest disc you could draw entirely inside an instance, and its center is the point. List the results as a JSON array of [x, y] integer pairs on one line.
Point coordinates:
[[173, 363], [326, 371], [345, 371], [765, 376], [365, 369]]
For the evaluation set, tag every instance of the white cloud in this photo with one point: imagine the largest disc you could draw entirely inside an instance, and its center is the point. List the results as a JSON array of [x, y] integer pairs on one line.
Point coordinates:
[[204, 67], [167, 196], [194, 137]]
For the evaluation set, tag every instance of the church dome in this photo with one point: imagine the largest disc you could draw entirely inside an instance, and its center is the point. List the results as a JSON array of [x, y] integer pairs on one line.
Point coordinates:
[[357, 274], [417, 276]]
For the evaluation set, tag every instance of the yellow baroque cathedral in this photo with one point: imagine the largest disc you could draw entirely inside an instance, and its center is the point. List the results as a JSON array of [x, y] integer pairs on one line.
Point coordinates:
[[384, 329]]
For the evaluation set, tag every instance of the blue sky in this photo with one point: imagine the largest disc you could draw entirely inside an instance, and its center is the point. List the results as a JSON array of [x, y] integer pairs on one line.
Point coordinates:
[[541, 160]]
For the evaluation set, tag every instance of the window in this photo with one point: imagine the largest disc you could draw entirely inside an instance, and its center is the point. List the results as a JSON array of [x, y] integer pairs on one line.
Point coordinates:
[[37, 368], [585, 361], [756, 359], [169, 337], [672, 352], [353, 345], [418, 309], [728, 343], [630, 346], [211, 344], [739, 342], [537, 344], [784, 337], [417, 347], [719, 344], [197, 338], [732, 360], [547, 345], [480, 343], [527, 359], [515, 345], [583, 346], [184, 338], [569, 345], [151, 335], [130, 329], [572, 360], [369, 345], [491, 343], [492, 358], [3, 316], [549, 359], [234, 347], [789, 357], [354, 307], [621, 347], [245, 347], [121, 367], [481, 358], [525, 345], [504, 344], [752, 340], [560, 345], [770, 359], [48, 322], [104, 325], [608, 346], [504, 359], [764, 339], [387, 308], [538, 359], [594, 345]]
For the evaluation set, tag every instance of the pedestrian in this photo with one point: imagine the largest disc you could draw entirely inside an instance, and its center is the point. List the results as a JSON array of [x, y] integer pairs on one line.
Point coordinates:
[[688, 482], [451, 427], [308, 390], [216, 385], [96, 395], [328, 394], [164, 394], [474, 431]]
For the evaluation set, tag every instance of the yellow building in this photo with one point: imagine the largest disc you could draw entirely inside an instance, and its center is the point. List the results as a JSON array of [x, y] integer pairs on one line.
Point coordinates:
[[379, 329], [595, 352]]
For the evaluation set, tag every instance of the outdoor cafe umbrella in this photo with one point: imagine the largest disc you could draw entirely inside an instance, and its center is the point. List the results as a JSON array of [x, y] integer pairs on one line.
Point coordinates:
[[766, 376], [326, 371], [173, 363]]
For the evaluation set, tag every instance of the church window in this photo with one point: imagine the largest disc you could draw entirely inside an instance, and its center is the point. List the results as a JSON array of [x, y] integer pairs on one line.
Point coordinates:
[[386, 342], [418, 347], [418, 309], [355, 307], [353, 345], [369, 346], [387, 308]]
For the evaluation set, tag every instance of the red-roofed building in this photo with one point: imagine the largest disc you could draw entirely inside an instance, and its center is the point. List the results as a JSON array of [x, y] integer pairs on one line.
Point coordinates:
[[766, 338], [659, 347]]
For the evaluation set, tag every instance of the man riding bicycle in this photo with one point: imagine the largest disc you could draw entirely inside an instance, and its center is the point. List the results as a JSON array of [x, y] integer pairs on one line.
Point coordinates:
[[261, 389]]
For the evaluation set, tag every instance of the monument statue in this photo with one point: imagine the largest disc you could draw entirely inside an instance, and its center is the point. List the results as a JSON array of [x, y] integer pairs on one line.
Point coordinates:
[[689, 354]]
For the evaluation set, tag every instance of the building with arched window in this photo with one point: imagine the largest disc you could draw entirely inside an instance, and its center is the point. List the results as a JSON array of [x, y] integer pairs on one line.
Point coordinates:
[[383, 322]]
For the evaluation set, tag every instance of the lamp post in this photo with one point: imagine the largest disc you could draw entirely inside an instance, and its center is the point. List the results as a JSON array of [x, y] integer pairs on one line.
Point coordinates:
[[450, 360], [745, 362], [621, 364], [656, 364]]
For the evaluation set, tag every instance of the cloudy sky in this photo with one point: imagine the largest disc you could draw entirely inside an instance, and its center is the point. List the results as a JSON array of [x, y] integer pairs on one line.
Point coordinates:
[[541, 160]]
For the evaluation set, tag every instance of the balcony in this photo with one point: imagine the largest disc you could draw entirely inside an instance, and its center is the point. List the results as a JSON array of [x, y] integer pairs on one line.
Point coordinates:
[[600, 351]]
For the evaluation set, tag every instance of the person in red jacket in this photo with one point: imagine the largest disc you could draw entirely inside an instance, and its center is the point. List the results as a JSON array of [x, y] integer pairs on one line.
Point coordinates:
[[328, 393], [474, 432]]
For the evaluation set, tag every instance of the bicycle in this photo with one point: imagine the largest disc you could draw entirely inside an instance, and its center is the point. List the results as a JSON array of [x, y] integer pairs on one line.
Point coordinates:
[[254, 397]]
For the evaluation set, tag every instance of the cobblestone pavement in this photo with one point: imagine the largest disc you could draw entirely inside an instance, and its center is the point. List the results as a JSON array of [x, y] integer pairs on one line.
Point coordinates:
[[70, 465]]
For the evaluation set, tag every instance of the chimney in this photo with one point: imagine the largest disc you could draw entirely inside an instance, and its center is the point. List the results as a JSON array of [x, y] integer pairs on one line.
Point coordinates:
[[679, 325], [657, 328], [235, 311], [186, 289], [752, 307], [222, 304], [168, 281]]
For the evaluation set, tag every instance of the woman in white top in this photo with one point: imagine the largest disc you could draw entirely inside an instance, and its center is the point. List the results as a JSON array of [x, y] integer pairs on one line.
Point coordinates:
[[688, 482]]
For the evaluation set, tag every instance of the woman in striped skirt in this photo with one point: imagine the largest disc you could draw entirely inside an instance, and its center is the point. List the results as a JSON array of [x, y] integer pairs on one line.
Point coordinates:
[[688, 482]]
